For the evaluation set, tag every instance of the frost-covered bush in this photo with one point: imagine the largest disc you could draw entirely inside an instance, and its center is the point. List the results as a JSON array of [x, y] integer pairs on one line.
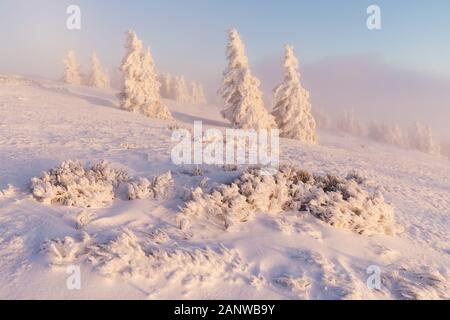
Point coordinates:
[[344, 204], [339, 202], [158, 188], [8, 192], [72, 184]]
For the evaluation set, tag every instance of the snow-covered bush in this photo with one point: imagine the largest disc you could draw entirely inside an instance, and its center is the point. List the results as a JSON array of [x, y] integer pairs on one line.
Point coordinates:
[[72, 73], [158, 188], [344, 204], [243, 103], [339, 202], [9, 191], [72, 184], [97, 77], [292, 109]]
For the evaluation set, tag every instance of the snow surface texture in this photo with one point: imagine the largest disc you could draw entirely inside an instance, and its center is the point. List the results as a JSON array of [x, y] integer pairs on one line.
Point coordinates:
[[136, 249], [72, 184], [341, 203]]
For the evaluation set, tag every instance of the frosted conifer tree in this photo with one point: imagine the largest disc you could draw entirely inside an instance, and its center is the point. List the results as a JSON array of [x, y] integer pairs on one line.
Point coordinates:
[[243, 103], [72, 74], [131, 97], [180, 90], [140, 87], [166, 85], [197, 93], [350, 123], [152, 105], [97, 77], [292, 109], [421, 138]]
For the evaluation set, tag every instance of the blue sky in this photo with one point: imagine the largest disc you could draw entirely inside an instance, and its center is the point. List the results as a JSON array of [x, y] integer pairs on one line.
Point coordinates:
[[188, 36]]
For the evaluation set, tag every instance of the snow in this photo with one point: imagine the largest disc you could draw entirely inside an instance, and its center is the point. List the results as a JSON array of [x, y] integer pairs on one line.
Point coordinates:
[[141, 249]]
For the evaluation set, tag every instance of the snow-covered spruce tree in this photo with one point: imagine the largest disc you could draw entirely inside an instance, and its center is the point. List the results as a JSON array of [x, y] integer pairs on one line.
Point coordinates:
[[348, 122], [166, 85], [243, 103], [197, 93], [292, 109], [97, 78], [72, 73], [140, 85], [180, 90], [152, 106], [421, 138], [390, 133], [131, 96]]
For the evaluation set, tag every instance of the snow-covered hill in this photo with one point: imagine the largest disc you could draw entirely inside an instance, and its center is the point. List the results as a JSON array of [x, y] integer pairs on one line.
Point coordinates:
[[136, 249]]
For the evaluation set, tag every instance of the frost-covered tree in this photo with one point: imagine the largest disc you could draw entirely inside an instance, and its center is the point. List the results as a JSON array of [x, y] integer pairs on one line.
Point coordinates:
[[292, 109], [97, 77], [243, 103], [166, 85], [180, 90], [131, 97], [152, 106], [348, 122], [72, 73], [421, 138], [387, 133], [140, 84], [323, 119], [197, 93]]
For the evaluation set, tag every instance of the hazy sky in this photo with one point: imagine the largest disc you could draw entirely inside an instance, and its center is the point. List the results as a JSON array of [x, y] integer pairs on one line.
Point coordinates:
[[188, 36]]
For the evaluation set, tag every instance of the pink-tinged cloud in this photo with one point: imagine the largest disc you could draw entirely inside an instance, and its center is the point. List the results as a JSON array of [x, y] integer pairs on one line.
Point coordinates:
[[371, 87]]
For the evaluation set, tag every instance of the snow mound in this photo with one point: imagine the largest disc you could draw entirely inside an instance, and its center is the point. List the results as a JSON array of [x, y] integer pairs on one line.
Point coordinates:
[[342, 203], [72, 184], [158, 188]]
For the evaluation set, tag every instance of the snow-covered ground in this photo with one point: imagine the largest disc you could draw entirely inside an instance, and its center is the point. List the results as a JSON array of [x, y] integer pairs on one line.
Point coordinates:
[[137, 250]]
